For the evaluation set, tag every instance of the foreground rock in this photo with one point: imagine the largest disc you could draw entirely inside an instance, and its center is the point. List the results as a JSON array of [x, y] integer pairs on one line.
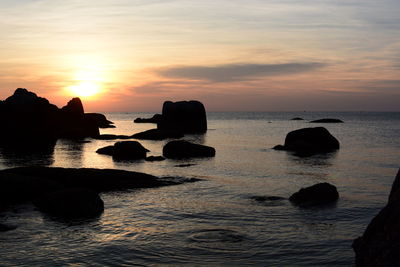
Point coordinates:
[[328, 120], [60, 185], [185, 149], [184, 116], [380, 243], [31, 120], [124, 150], [310, 141], [71, 203], [318, 194], [100, 119], [157, 134], [155, 119]]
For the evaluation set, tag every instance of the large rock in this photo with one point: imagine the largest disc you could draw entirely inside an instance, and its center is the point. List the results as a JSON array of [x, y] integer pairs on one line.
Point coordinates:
[[125, 150], [27, 118], [310, 140], [317, 194], [185, 149], [183, 116], [71, 203], [157, 134], [380, 243]]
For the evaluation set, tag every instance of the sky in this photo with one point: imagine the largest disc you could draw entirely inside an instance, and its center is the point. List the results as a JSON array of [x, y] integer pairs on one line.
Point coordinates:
[[233, 55]]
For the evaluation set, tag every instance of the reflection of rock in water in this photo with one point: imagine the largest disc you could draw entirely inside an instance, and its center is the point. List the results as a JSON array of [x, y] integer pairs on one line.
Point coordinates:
[[27, 153], [314, 160]]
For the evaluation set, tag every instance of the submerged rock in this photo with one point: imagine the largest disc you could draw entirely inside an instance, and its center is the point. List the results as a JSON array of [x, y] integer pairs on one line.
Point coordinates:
[[71, 203], [155, 119], [317, 194], [157, 134], [183, 116], [327, 120], [185, 149], [6, 227], [380, 243], [310, 141], [266, 198], [124, 150]]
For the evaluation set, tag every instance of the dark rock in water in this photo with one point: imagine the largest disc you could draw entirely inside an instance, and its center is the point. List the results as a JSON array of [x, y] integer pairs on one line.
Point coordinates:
[[184, 116], [6, 227], [112, 137], [297, 119], [380, 243], [107, 150], [184, 165], [309, 141], [155, 158], [125, 150], [317, 194], [27, 118], [100, 120], [155, 119], [267, 198], [157, 134], [185, 149], [329, 120], [71, 203]]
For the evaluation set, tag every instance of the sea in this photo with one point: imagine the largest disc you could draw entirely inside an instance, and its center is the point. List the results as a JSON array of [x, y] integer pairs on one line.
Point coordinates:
[[218, 220]]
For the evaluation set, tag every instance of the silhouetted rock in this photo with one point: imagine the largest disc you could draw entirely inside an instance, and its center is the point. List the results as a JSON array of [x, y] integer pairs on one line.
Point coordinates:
[[155, 158], [183, 116], [317, 194], [112, 137], [266, 198], [309, 141], [327, 121], [125, 150], [185, 149], [297, 119], [380, 243], [27, 119], [155, 119], [100, 120], [157, 134], [184, 165]]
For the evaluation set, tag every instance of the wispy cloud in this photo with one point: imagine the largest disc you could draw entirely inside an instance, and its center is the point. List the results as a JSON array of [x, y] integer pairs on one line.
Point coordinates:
[[237, 72]]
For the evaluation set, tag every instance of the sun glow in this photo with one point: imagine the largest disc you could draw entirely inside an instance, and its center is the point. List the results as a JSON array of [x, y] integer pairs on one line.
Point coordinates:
[[87, 84], [85, 89]]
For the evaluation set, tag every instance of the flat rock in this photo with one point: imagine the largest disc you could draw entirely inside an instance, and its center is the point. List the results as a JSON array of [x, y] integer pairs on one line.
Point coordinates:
[[155, 119], [185, 149], [327, 120], [157, 134], [155, 158]]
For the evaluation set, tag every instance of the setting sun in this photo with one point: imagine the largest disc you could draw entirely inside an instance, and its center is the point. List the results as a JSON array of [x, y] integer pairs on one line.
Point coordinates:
[[85, 89]]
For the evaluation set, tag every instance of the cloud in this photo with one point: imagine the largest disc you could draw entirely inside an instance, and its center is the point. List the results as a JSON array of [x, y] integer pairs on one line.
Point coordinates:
[[236, 72]]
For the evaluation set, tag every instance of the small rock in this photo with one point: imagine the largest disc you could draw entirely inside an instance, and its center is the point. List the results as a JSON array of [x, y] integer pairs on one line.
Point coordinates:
[[155, 158], [317, 194], [328, 120]]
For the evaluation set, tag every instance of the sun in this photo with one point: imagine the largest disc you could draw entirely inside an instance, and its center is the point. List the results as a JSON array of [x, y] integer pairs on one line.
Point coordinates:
[[85, 89]]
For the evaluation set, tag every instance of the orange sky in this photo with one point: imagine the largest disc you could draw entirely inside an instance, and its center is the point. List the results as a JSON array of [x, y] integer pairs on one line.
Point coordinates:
[[131, 55]]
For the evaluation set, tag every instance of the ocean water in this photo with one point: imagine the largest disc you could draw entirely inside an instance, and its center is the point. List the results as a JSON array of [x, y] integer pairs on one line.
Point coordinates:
[[215, 221]]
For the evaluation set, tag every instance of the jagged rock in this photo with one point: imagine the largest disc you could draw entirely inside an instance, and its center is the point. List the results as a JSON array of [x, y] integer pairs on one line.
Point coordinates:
[[380, 243], [183, 116], [155, 119], [317, 194], [157, 134], [100, 120], [310, 141], [328, 120], [185, 149]]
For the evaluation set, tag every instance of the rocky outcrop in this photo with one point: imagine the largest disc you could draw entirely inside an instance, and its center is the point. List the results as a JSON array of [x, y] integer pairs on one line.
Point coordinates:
[[183, 116], [61, 185], [100, 120], [185, 149], [124, 150], [327, 120], [157, 134], [380, 243], [318, 194], [31, 120], [71, 203], [310, 141], [155, 119]]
